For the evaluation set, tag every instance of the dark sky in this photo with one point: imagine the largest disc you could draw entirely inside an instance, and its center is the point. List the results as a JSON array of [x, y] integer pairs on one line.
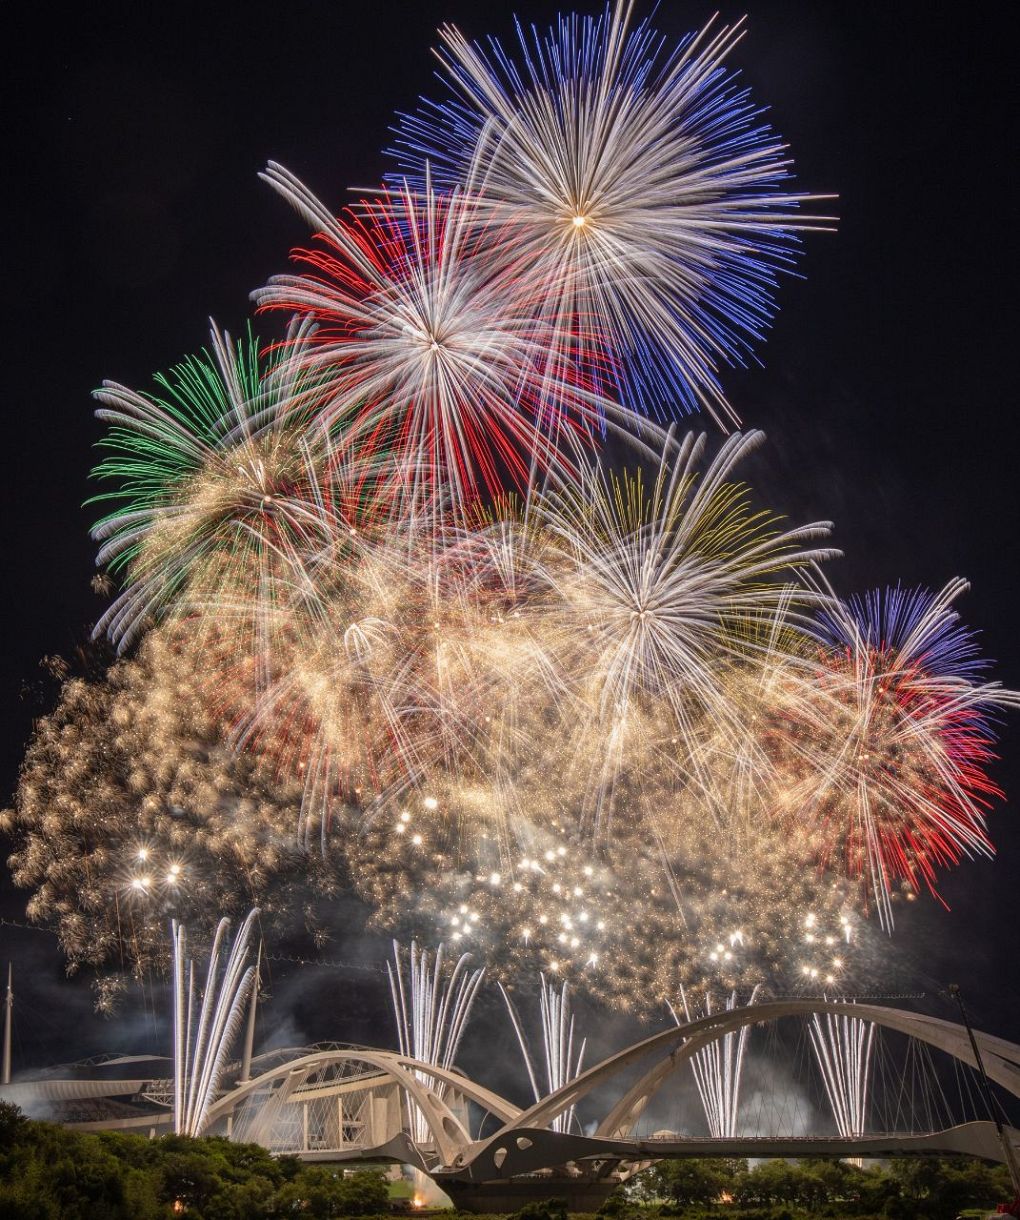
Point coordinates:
[[134, 213]]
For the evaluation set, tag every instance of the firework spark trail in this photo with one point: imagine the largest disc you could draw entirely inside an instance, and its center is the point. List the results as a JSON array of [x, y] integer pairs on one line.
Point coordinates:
[[717, 1069], [431, 1012], [842, 1047], [557, 1028], [644, 188], [201, 1054]]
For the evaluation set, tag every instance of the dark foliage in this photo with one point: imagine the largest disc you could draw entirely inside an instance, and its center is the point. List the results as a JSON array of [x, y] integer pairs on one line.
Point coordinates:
[[50, 1173]]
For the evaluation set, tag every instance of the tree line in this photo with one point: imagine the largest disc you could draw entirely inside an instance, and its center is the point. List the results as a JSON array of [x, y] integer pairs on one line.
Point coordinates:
[[48, 1172]]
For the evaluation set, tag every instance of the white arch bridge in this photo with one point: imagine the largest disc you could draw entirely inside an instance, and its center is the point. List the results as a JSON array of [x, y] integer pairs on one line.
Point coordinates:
[[359, 1105]]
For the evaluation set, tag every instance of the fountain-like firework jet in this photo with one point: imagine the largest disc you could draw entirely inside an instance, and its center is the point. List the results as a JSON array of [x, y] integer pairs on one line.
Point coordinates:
[[200, 1051], [561, 1063], [644, 188], [842, 1047], [431, 1008], [717, 1068]]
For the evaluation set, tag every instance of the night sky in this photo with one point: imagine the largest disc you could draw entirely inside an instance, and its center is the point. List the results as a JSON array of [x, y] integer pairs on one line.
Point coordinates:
[[134, 213]]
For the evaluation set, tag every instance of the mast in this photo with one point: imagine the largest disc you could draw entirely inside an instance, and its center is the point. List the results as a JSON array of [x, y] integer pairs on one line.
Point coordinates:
[[1004, 1139]]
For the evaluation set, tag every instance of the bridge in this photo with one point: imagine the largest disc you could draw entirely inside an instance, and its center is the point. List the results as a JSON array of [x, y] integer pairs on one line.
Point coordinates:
[[361, 1105]]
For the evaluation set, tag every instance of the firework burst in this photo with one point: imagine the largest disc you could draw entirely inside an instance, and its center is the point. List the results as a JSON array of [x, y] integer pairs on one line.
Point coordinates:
[[667, 586], [644, 187], [433, 348], [900, 781], [208, 470]]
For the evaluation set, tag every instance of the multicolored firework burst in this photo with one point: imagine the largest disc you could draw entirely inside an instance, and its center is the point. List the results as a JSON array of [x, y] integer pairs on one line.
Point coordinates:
[[906, 790], [643, 186], [207, 469], [433, 348]]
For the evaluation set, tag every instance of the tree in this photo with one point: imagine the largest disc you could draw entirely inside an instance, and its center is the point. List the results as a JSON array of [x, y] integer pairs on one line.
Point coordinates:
[[780, 1182], [12, 1124], [542, 1209], [51, 1173], [940, 1188], [692, 1179], [319, 1192]]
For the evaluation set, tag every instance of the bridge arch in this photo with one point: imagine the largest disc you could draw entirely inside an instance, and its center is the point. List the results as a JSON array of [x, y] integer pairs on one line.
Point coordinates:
[[413, 1076], [1001, 1058]]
